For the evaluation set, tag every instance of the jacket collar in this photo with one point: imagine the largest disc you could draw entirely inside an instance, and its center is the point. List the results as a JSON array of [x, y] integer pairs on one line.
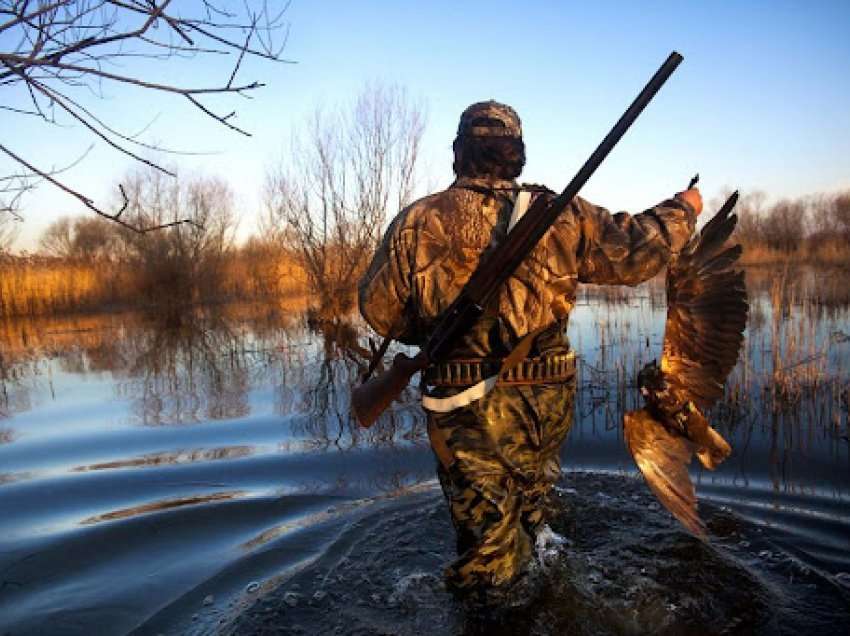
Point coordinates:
[[483, 183]]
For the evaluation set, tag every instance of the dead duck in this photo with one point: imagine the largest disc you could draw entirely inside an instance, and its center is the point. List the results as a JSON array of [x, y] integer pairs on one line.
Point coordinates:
[[706, 316]]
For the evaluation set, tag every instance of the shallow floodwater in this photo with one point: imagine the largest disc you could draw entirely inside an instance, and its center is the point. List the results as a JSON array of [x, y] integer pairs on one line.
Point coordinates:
[[172, 479]]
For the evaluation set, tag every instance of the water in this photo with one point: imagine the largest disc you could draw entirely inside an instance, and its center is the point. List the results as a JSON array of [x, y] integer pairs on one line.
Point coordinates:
[[185, 480]]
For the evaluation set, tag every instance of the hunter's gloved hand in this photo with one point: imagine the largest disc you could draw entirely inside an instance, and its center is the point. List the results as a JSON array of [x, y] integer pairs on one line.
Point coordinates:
[[692, 197]]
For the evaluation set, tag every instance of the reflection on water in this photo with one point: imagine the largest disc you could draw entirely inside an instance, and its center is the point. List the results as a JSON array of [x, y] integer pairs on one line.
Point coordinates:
[[126, 446], [319, 395], [786, 404], [172, 458], [158, 506], [8, 478], [185, 375]]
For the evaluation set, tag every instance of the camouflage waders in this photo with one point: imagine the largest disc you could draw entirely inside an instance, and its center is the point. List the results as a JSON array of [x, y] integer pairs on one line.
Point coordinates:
[[502, 458]]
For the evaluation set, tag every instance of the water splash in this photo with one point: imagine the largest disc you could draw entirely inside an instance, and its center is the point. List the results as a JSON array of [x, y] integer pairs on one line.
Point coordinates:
[[548, 546]]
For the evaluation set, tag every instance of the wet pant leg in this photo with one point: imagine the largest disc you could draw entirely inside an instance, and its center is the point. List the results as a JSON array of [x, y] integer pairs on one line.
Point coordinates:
[[548, 415], [502, 460]]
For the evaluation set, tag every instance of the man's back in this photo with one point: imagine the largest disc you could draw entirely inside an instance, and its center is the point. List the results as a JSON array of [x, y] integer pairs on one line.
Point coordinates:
[[435, 244]]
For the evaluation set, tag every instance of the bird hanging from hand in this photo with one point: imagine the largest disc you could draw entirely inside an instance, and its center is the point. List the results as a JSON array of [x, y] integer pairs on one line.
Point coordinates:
[[706, 316]]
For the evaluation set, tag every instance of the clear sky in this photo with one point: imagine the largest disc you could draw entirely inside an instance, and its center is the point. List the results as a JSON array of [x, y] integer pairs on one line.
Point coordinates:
[[762, 100]]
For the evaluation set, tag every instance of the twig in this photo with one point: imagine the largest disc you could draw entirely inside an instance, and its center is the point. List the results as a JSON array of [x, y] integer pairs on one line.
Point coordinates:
[[90, 204]]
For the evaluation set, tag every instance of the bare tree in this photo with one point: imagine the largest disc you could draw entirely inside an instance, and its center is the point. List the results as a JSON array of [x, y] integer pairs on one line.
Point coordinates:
[[785, 223], [185, 263], [58, 239], [841, 212], [834, 211], [80, 238], [64, 52], [327, 205], [750, 209]]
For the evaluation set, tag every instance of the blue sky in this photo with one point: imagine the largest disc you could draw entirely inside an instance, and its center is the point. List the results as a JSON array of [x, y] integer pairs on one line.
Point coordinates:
[[762, 100]]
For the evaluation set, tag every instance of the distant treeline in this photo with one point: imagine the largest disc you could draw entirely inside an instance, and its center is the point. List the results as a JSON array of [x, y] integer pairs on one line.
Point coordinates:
[[813, 229], [89, 263], [346, 171]]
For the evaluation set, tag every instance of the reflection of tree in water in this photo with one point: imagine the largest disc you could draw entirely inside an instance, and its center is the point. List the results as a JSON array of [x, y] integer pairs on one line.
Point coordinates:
[[171, 458], [16, 378], [318, 391], [33, 349], [102, 354], [4, 390], [171, 374], [204, 368], [193, 372]]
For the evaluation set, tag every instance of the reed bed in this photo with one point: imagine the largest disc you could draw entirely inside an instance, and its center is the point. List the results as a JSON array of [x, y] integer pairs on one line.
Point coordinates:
[[796, 361], [35, 286], [43, 286], [793, 373], [830, 253]]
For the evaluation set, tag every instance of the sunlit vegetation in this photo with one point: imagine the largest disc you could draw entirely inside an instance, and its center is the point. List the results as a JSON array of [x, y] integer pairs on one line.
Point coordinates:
[[42, 285], [326, 206], [792, 374], [813, 229], [345, 177], [88, 263], [796, 363], [306, 247]]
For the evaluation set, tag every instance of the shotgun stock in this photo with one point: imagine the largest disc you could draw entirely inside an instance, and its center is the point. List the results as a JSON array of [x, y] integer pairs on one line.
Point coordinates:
[[369, 400], [372, 398]]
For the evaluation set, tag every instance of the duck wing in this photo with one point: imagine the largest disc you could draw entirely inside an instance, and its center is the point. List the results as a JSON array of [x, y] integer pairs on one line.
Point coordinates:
[[663, 459], [707, 312]]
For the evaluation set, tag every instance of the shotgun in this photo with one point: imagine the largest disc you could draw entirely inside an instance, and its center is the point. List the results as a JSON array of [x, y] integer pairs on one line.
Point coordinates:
[[370, 399]]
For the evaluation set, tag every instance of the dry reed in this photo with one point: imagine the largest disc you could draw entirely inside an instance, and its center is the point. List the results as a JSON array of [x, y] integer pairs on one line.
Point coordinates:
[[40, 286], [818, 253]]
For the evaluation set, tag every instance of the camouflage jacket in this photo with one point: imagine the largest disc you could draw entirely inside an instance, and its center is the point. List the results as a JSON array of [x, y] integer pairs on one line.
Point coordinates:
[[433, 246]]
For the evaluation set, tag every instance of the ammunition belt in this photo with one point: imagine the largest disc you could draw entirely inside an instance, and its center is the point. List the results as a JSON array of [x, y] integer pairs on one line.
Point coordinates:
[[468, 371]]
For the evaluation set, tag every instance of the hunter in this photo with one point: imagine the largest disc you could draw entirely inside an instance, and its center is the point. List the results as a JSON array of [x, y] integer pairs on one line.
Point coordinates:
[[497, 449]]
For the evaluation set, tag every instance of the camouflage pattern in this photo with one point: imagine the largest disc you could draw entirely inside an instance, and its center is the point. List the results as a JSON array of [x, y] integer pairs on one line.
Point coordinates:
[[433, 246], [503, 460], [506, 122], [499, 456]]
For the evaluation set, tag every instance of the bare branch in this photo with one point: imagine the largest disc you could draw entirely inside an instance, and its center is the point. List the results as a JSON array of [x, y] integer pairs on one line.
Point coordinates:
[[222, 118], [52, 48], [88, 202], [57, 99]]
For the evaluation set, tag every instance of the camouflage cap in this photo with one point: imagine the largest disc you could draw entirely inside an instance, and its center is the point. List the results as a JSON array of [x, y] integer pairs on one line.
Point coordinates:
[[489, 119]]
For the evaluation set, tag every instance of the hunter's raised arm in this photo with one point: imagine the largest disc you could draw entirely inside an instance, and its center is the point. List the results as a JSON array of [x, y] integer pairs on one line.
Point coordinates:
[[625, 249]]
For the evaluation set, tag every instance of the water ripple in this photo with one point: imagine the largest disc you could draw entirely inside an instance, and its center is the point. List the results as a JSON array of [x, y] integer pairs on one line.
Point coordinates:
[[158, 506]]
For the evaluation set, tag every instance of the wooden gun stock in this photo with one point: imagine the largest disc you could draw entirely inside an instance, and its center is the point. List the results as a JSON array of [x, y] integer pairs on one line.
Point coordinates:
[[370, 399]]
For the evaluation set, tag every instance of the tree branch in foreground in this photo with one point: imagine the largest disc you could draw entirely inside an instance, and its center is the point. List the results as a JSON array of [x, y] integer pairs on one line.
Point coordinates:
[[89, 203], [62, 47]]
